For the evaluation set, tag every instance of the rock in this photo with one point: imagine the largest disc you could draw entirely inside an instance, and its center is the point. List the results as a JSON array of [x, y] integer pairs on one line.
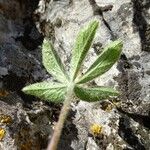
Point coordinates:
[[125, 121], [25, 128], [19, 37], [129, 74], [24, 123]]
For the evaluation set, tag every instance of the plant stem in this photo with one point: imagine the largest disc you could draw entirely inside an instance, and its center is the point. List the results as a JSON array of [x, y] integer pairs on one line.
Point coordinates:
[[62, 117]]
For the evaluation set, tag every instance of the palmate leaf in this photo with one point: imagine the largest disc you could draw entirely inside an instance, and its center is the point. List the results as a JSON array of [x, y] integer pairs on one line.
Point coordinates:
[[104, 62], [94, 94], [52, 62], [82, 45], [49, 91]]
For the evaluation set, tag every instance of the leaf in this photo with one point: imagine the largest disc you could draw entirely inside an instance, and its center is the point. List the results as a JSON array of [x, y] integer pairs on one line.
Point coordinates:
[[82, 45], [104, 62], [52, 62], [94, 94], [49, 91]]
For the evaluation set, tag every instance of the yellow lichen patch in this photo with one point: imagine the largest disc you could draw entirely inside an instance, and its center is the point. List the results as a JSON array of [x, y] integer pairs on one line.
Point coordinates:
[[117, 104], [96, 129], [3, 93], [2, 133], [109, 107], [5, 119]]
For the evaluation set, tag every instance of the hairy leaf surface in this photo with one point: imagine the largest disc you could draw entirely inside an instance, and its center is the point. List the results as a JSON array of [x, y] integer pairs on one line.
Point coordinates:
[[94, 94], [104, 62], [82, 45], [52, 62], [49, 91]]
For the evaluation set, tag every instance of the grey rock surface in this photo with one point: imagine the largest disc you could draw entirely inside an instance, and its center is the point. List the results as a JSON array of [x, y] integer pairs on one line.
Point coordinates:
[[125, 121]]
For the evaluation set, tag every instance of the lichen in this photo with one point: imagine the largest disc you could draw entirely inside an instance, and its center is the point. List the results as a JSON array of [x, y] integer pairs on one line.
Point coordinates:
[[26, 145], [109, 107], [96, 130], [2, 133], [5, 119], [3, 93]]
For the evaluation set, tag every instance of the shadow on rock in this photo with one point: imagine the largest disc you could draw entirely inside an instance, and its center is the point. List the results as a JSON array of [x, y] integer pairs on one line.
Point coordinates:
[[140, 9], [141, 119], [128, 135], [69, 133], [13, 83]]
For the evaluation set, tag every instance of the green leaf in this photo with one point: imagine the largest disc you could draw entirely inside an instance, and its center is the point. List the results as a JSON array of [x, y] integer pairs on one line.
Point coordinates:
[[94, 94], [52, 62], [49, 91], [82, 45], [104, 62]]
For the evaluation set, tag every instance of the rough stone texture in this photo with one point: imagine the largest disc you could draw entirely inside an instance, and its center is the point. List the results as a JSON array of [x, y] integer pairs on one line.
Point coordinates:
[[125, 122], [20, 63]]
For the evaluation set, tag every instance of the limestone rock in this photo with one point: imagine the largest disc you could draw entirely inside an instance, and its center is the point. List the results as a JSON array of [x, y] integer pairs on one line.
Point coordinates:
[[125, 121]]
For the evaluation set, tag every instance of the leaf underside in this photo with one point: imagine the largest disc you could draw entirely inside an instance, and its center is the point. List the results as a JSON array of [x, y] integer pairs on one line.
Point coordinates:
[[52, 62], [82, 45], [104, 62], [55, 92], [49, 91], [94, 94]]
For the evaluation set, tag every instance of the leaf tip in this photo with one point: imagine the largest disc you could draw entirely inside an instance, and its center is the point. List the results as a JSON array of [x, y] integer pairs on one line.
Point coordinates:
[[27, 89], [119, 44], [95, 23], [45, 40], [116, 93], [46, 44], [24, 89]]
